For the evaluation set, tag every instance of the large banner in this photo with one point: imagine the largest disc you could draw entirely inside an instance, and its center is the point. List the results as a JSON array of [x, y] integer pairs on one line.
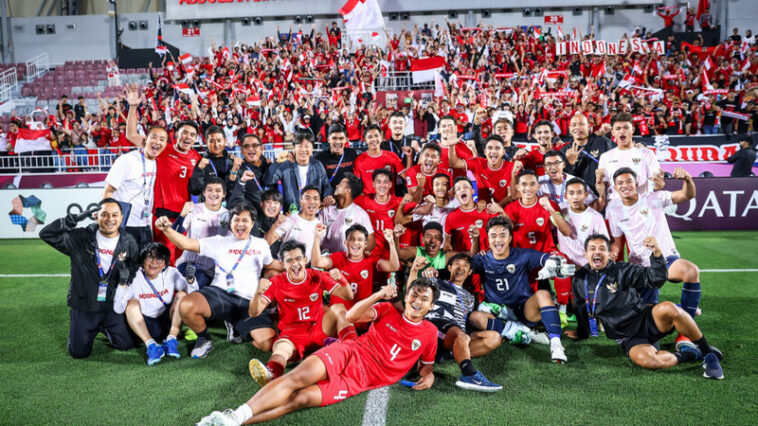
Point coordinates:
[[30, 210], [721, 204]]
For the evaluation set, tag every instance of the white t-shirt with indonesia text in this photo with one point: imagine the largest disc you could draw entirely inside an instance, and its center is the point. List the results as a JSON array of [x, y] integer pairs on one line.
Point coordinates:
[[167, 283], [225, 250]]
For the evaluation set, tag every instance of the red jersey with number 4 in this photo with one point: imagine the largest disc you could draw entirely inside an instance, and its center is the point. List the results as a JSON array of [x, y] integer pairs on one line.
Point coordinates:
[[299, 304], [394, 344], [491, 183], [382, 217], [359, 273], [531, 226], [365, 164], [457, 223], [174, 170]]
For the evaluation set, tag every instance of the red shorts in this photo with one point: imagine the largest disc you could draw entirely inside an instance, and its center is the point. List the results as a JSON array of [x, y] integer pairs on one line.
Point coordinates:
[[345, 372], [305, 339]]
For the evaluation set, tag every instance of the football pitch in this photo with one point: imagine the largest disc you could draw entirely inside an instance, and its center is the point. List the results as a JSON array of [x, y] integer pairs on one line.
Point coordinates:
[[41, 384]]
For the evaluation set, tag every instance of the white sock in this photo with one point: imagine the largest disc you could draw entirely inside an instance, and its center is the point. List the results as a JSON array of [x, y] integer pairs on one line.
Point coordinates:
[[170, 337], [562, 309], [150, 342], [555, 339], [243, 413]]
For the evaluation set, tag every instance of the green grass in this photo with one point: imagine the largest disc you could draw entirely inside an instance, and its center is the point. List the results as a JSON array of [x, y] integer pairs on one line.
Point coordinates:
[[41, 384]]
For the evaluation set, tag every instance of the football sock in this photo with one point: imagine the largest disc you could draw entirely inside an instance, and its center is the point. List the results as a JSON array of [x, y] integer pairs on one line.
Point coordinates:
[[495, 324], [467, 367], [150, 342], [170, 337], [551, 320], [690, 297], [685, 356], [276, 368], [347, 333], [203, 335], [703, 345], [243, 413]]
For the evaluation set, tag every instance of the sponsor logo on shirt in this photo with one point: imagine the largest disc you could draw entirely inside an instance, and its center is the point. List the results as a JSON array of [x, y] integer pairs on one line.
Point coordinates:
[[314, 297], [636, 160], [415, 344], [644, 211], [585, 227], [289, 300], [391, 328], [152, 295], [595, 153]]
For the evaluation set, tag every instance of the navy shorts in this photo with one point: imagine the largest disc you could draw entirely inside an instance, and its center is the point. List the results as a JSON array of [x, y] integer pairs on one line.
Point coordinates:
[[230, 307], [159, 327], [519, 311], [669, 261], [647, 332]]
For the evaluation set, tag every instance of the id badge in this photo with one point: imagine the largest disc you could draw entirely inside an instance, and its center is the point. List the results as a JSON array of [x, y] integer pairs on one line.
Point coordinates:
[[102, 290], [146, 213], [230, 283], [593, 327]]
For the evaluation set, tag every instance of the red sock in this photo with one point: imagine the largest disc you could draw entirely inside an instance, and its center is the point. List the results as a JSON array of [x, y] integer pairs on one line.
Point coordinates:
[[276, 368], [347, 333]]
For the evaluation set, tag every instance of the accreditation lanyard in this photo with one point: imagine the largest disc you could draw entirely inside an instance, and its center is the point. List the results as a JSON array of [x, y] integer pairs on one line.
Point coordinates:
[[102, 287], [147, 189], [460, 298], [336, 169], [152, 287], [255, 179], [553, 193], [213, 166], [230, 274], [591, 311]]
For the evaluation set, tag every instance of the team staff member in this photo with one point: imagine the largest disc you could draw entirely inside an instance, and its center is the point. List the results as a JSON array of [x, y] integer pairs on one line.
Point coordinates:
[[337, 160], [609, 292], [215, 162], [101, 257]]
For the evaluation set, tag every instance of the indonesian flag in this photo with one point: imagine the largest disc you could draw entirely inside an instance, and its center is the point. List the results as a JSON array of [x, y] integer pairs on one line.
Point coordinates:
[[362, 15], [225, 53], [160, 47], [254, 100], [439, 85], [746, 64], [553, 76], [423, 69], [706, 82], [186, 58], [708, 64], [184, 88], [627, 81], [170, 65], [701, 6], [32, 140], [560, 33], [636, 68], [384, 68], [598, 70]]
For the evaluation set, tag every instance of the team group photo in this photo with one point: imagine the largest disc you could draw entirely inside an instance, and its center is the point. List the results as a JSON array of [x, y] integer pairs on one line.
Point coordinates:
[[374, 212]]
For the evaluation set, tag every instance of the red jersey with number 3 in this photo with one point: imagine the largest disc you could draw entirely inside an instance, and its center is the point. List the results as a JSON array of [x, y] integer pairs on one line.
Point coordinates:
[[394, 344], [359, 273], [174, 170], [531, 226], [299, 304]]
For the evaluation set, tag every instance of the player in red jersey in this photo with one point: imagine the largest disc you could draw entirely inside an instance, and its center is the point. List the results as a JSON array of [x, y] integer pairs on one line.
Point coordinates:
[[303, 323], [375, 159], [357, 267], [449, 142], [543, 134], [173, 169], [532, 219], [494, 176], [395, 343], [419, 177], [459, 221], [381, 207]]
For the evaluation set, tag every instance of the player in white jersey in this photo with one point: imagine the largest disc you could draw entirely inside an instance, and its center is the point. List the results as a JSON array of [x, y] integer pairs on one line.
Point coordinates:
[[582, 219], [344, 214], [202, 220], [626, 154], [553, 183], [240, 260], [131, 179], [637, 216], [300, 226], [151, 302]]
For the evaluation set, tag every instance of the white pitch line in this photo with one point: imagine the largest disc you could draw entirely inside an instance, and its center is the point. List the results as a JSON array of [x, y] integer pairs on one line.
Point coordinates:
[[376, 407], [729, 270], [34, 275]]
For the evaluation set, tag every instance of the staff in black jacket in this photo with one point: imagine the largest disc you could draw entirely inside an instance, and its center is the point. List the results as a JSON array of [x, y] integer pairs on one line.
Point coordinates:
[[584, 151], [744, 158], [101, 257], [606, 291]]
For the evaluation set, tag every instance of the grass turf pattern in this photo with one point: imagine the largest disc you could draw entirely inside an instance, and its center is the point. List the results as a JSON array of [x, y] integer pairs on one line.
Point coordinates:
[[42, 384]]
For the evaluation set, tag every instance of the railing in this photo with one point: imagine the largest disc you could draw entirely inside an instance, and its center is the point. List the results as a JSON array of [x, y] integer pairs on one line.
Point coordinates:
[[38, 65], [352, 40], [8, 83], [400, 80]]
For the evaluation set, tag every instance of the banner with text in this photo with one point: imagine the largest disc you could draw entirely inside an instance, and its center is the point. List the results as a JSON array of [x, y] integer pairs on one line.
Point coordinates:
[[721, 204], [602, 47]]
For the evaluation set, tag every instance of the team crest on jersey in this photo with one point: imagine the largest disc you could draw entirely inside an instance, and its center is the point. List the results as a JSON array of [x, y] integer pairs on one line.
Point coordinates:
[[415, 344], [122, 256], [503, 183], [636, 160], [585, 227], [193, 161], [595, 153], [511, 268], [540, 221], [364, 274], [479, 223], [314, 297], [348, 220], [391, 213], [612, 287], [644, 211]]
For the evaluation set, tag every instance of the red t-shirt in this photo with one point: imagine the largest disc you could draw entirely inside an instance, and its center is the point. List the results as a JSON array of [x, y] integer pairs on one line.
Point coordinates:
[[491, 184], [534, 160], [462, 151], [174, 170], [410, 178], [382, 217], [299, 304], [360, 275], [531, 226], [457, 223], [365, 165]]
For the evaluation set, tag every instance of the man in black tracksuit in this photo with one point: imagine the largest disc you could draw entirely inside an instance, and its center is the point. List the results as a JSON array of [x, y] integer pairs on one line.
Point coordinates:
[[101, 257], [607, 292]]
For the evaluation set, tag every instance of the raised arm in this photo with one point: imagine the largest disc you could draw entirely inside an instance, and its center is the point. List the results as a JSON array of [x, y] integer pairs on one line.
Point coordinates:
[[362, 312], [133, 97], [180, 241], [555, 217], [688, 187], [393, 264], [317, 260], [258, 303]]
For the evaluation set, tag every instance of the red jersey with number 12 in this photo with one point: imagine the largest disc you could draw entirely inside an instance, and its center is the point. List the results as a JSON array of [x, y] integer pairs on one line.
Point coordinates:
[[299, 304], [174, 170]]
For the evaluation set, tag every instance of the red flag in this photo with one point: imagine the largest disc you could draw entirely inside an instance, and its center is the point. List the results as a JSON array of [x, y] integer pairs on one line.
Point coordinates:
[[598, 70], [423, 69], [701, 6]]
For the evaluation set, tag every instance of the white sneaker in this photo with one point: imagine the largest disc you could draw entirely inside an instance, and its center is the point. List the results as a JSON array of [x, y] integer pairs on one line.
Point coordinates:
[[202, 348], [557, 352], [259, 372], [539, 337], [217, 418]]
